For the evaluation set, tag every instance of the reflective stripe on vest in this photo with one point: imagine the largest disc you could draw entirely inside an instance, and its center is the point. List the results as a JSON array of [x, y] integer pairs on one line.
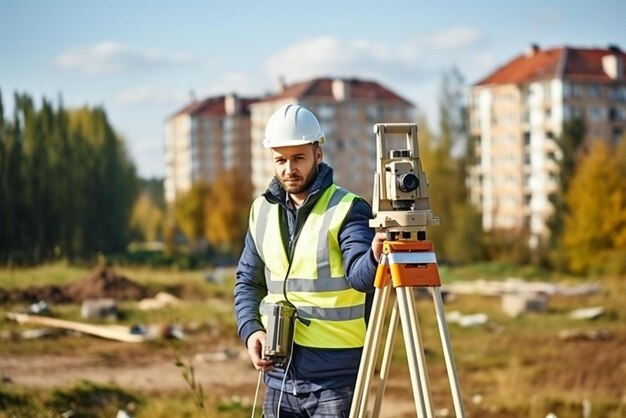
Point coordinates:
[[317, 285]]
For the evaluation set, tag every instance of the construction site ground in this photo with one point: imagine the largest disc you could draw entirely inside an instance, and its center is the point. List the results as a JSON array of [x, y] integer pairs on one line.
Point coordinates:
[[507, 367]]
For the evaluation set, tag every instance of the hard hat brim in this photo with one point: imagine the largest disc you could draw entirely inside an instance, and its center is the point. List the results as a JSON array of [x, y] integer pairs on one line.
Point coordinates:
[[291, 143]]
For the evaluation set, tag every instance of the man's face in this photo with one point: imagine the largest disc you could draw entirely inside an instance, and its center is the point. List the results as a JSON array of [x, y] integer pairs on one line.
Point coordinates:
[[296, 166]]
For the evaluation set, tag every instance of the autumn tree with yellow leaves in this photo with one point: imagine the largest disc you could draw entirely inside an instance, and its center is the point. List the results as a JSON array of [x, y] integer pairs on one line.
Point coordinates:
[[226, 213], [594, 237], [215, 213]]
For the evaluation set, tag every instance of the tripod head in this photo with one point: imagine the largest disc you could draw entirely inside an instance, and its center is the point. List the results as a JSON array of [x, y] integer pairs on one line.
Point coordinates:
[[400, 201]]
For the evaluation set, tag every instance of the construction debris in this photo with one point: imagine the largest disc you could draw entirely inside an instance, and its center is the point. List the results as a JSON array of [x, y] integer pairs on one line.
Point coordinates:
[[467, 321], [587, 313], [224, 354], [113, 332], [39, 308], [592, 335], [516, 304], [159, 301], [103, 308], [517, 286]]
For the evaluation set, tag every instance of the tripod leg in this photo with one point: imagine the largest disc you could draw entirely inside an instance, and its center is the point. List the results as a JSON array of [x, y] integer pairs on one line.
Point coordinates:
[[415, 352], [447, 352], [386, 362], [370, 352]]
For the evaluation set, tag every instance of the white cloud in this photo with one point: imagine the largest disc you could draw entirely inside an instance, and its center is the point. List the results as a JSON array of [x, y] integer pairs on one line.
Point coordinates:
[[455, 38], [411, 67], [112, 57], [328, 56], [143, 95], [239, 83], [419, 57]]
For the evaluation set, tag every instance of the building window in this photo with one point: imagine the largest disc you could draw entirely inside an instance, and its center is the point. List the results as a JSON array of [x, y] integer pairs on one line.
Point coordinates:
[[353, 111], [326, 112], [596, 113], [594, 91], [567, 90], [373, 113], [578, 91]]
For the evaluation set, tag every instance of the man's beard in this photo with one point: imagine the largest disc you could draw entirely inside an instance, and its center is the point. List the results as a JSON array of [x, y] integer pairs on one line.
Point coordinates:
[[301, 184]]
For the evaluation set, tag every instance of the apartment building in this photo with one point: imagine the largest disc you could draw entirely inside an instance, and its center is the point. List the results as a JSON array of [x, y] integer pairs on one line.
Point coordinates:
[[204, 139], [347, 110], [517, 113]]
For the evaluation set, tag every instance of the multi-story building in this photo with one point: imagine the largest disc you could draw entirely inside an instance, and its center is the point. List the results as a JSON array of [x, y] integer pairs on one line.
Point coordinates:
[[206, 138], [347, 110], [517, 114]]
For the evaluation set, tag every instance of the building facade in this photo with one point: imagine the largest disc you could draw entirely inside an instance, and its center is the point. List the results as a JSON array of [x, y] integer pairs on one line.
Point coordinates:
[[347, 110], [516, 115], [205, 139]]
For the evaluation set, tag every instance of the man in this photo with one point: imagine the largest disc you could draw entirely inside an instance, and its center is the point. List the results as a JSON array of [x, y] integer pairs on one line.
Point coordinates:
[[308, 241]]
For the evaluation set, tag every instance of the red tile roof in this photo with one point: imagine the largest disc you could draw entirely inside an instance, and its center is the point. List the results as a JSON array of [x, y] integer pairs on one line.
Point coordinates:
[[580, 64], [215, 106], [322, 88]]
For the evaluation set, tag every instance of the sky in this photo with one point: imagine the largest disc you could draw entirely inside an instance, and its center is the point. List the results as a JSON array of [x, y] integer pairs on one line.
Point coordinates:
[[142, 60]]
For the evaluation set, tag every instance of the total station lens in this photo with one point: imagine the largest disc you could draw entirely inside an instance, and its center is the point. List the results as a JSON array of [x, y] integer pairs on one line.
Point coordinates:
[[408, 182]]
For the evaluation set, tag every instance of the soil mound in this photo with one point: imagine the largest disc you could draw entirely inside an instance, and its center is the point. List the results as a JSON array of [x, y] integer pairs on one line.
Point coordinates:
[[103, 282], [50, 294]]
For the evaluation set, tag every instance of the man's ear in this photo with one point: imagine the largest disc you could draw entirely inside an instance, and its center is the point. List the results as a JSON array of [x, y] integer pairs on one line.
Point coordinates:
[[319, 154]]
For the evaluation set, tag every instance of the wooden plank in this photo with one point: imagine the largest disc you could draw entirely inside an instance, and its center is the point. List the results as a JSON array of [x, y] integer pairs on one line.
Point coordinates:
[[112, 332]]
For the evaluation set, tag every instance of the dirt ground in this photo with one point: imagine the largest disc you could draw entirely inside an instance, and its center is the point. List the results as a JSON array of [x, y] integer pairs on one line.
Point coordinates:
[[224, 373], [222, 368], [583, 366]]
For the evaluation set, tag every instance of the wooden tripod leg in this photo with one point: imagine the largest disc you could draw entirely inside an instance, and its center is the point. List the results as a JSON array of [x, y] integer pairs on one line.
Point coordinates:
[[370, 350], [414, 352], [447, 353], [386, 362]]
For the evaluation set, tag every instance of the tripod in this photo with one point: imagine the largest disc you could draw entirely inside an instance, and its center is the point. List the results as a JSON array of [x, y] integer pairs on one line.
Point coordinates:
[[404, 265]]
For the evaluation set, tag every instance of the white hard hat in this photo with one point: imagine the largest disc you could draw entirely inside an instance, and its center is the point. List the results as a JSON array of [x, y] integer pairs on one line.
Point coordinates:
[[292, 125]]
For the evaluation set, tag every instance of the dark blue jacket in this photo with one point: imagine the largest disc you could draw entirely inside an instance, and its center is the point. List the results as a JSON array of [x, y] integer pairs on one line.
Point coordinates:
[[311, 368]]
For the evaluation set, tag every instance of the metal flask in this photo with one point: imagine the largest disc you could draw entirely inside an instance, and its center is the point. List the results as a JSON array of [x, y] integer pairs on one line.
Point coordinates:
[[280, 328]]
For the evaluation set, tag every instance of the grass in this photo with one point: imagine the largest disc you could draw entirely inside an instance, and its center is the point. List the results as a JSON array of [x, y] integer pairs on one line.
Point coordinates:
[[511, 367], [59, 273], [89, 400]]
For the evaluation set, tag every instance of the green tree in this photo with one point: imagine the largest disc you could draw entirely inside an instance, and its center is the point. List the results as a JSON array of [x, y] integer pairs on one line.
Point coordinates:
[[459, 238], [595, 225], [4, 198], [66, 184], [154, 188], [111, 182], [570, 143]]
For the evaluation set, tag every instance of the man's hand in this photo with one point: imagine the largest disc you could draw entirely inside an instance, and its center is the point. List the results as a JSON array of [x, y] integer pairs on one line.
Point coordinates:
[[377, 244], [255, 345]]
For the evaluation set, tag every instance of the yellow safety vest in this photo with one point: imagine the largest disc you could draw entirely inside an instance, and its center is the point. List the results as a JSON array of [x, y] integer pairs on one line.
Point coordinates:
[[317, 283]]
